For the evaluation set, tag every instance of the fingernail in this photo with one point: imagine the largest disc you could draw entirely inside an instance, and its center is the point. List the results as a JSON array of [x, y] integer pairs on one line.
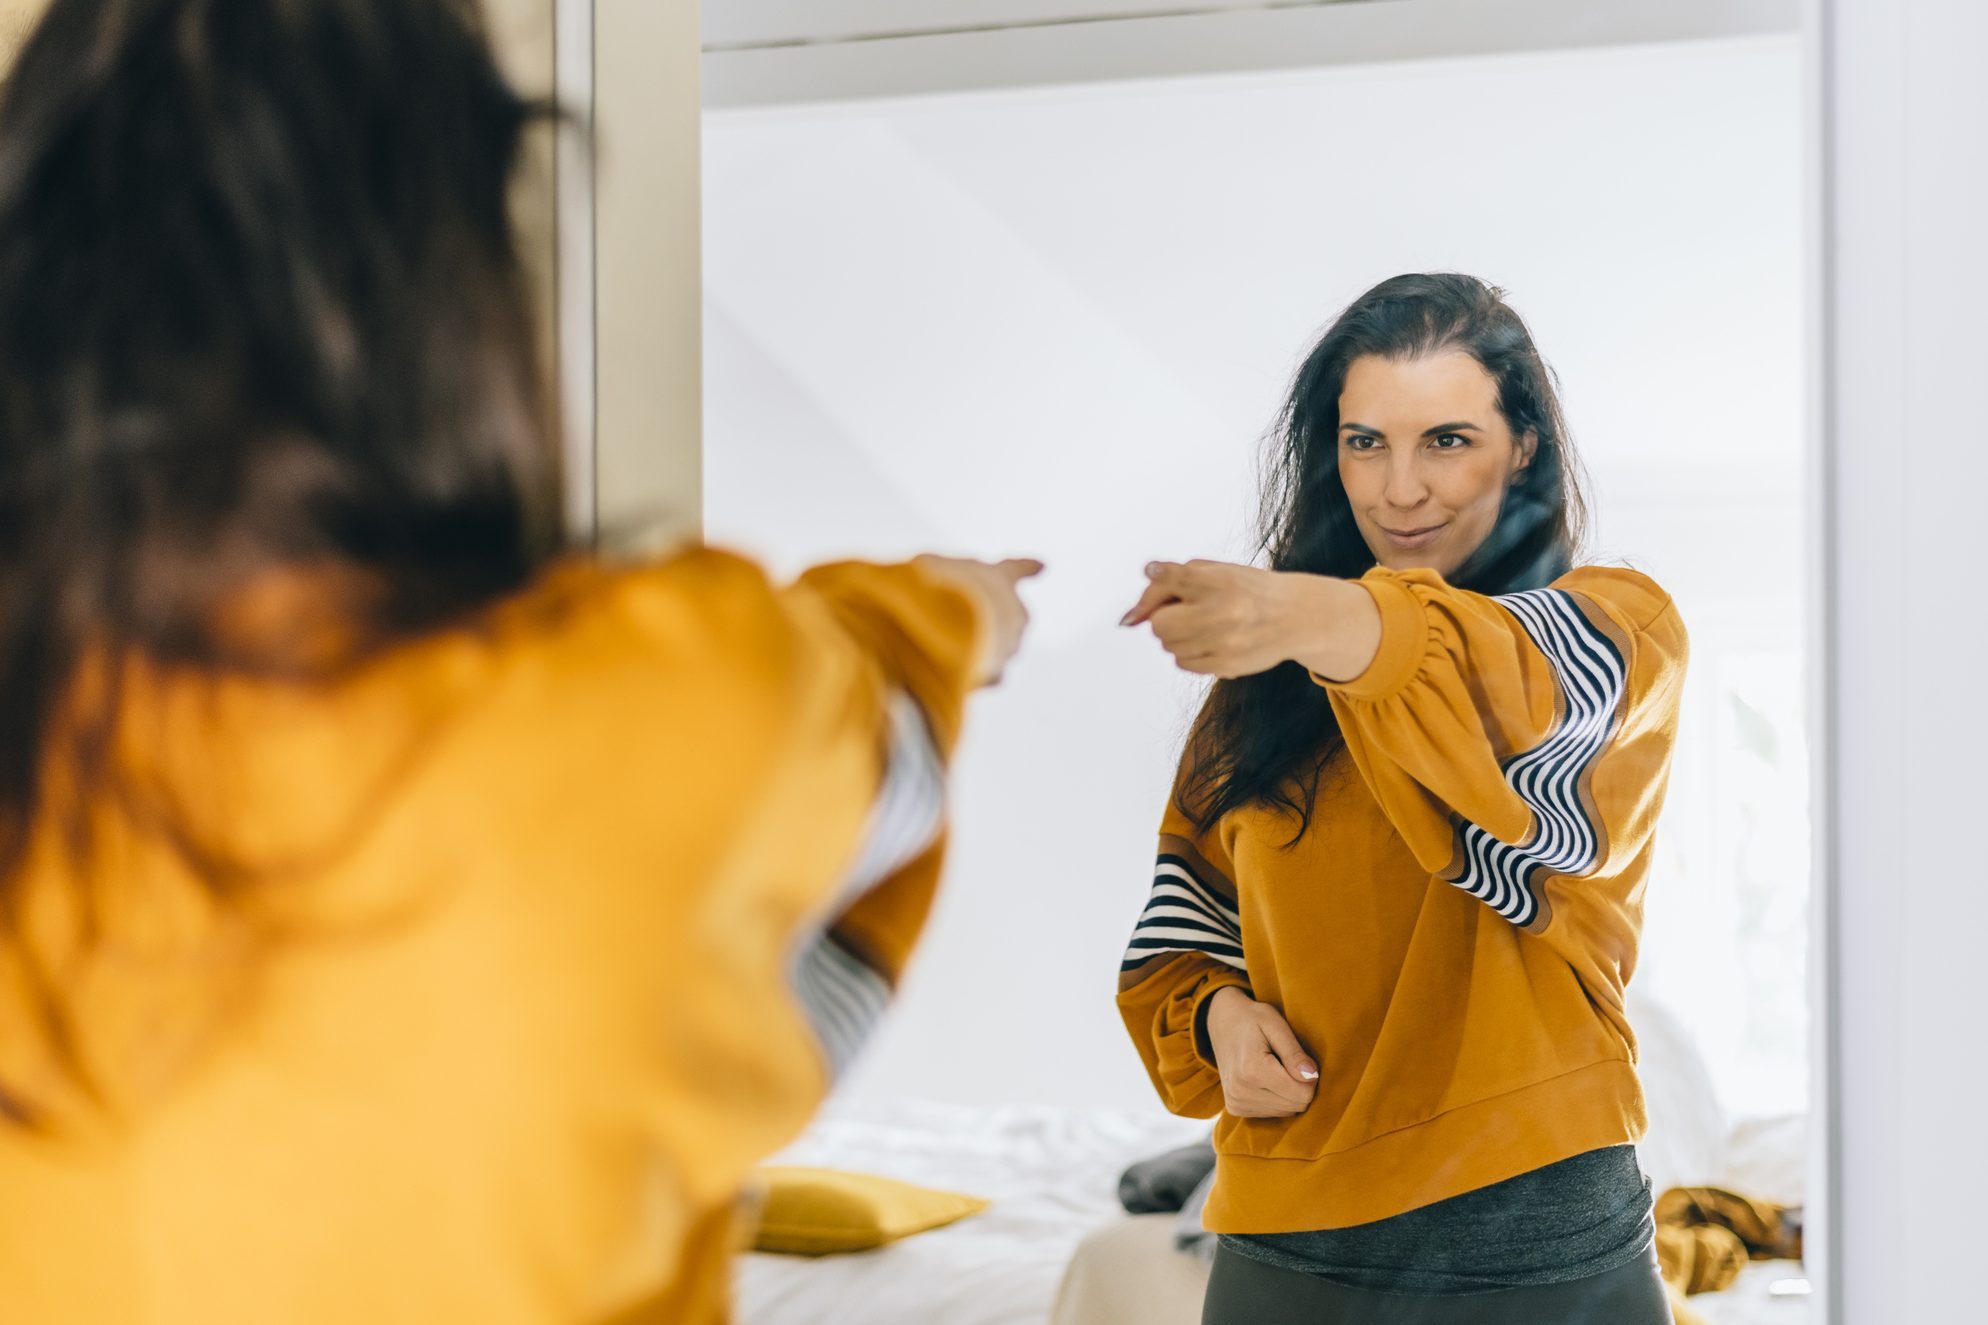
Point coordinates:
[[1307, 1072], [1152, 569], [1126, 620]]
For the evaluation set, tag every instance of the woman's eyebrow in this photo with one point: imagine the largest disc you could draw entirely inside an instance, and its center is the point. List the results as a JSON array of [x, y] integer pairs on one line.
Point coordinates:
[[1436, 431]]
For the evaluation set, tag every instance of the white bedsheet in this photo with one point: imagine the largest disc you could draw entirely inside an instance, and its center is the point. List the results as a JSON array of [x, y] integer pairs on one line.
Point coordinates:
[[1052, 1175]]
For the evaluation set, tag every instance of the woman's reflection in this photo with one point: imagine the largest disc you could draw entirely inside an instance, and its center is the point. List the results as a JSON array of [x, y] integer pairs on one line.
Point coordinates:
[[1400, 877]]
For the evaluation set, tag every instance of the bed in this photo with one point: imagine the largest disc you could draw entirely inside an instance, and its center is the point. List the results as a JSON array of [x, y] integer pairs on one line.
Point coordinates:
[[1054, 1248], [1052, 1175]]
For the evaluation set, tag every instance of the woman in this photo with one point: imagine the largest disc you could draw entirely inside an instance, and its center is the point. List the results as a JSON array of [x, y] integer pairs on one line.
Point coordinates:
[[401, 919], [1400, 878]]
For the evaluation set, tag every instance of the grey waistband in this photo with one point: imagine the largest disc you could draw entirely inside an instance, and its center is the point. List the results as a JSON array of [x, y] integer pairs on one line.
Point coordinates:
[[1567, 1221]]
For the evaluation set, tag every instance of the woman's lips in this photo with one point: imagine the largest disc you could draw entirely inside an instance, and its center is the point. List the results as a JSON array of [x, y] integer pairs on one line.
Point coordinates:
[[1410, 539]]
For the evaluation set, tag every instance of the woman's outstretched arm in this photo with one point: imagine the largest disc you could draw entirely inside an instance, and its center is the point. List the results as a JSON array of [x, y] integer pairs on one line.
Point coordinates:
[[1226, 620]]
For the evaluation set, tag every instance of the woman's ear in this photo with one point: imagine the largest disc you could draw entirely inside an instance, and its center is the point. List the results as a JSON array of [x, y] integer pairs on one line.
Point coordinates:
[[1527, 448]]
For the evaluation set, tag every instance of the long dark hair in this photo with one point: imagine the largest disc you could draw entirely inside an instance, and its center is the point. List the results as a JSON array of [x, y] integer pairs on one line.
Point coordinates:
[[261, 308], [1264, 739]]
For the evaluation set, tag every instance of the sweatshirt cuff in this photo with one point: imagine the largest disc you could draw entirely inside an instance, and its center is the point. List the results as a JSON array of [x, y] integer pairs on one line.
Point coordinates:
[[1203, 1049], [1404, 638]]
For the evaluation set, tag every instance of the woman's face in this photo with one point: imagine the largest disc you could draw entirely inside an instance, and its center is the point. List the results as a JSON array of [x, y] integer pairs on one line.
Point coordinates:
[[1426, 457]]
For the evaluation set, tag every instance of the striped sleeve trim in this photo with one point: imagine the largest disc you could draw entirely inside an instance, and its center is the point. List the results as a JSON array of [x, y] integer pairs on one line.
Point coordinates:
[[845, 998], [910, 807], [1551, 778], [842, 995], [1191, 908]]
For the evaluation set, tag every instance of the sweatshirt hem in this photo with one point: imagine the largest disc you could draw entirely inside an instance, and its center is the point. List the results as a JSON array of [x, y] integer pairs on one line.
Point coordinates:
[[1455, 1152]]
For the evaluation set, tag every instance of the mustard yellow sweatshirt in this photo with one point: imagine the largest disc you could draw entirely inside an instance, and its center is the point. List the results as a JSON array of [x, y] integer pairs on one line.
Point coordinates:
[[557, 924], [1453, 936]]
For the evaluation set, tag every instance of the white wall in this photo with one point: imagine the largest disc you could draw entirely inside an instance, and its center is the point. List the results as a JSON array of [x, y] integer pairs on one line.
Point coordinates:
[[1905, 470], [1057, 322]]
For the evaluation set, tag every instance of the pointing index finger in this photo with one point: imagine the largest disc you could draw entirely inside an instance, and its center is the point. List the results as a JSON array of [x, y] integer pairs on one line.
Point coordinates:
[[1149, 602]]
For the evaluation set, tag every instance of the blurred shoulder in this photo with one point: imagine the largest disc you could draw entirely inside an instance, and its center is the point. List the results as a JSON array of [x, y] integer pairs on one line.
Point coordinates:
[[702, 628], [680, 606]]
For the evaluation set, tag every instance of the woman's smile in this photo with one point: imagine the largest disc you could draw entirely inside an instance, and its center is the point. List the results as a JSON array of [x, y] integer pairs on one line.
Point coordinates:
[[1408, 540]]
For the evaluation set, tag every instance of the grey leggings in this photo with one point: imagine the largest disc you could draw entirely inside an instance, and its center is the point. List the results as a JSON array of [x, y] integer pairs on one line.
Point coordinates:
[[1242, 1291]]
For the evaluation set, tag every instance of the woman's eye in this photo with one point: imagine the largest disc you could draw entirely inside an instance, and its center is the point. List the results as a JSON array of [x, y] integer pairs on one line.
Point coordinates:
[[1451, 441], [1359, 442]]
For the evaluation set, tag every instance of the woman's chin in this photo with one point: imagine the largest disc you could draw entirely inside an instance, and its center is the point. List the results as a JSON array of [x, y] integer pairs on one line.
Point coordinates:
[[1419, 559]]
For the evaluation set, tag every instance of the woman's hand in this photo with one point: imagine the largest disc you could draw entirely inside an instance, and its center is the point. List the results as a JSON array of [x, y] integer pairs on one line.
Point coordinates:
[[1265, 1072], [995, 585], [1226, 620]]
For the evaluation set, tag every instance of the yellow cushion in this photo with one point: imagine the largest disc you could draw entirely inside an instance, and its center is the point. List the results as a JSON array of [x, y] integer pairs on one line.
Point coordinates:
[[813, 1212]]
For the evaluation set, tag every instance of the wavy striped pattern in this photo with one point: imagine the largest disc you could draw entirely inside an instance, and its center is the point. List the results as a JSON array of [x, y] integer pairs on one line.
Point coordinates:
[[909, 808], [1593, 677], [842, 995], [1184, 914], [845, 998]]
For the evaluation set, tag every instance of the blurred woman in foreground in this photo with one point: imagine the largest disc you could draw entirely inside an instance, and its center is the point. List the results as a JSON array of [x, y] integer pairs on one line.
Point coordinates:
[[401, 918]]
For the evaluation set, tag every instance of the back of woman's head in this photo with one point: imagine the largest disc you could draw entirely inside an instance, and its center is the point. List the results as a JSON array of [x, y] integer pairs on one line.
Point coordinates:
[[1263, 739], [260, 308]]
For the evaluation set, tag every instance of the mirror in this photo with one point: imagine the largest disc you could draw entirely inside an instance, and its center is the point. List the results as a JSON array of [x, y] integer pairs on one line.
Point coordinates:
[[1060, 319]]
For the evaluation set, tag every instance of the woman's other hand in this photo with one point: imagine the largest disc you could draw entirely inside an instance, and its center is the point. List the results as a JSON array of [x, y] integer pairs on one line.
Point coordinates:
[[995, 584], [1265, 1072]]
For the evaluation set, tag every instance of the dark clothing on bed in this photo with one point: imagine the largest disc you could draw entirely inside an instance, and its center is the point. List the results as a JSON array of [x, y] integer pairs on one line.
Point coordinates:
[[1565, 1222], [1162, 1184]]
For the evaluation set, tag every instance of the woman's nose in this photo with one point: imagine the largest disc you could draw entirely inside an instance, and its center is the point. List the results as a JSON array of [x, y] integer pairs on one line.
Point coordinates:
[[1405, 488]]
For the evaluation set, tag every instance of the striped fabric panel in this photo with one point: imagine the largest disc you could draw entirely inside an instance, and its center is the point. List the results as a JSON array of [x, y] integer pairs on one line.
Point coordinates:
[[910, 806], [1184, 914], [1551, 777], [842, 995]]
